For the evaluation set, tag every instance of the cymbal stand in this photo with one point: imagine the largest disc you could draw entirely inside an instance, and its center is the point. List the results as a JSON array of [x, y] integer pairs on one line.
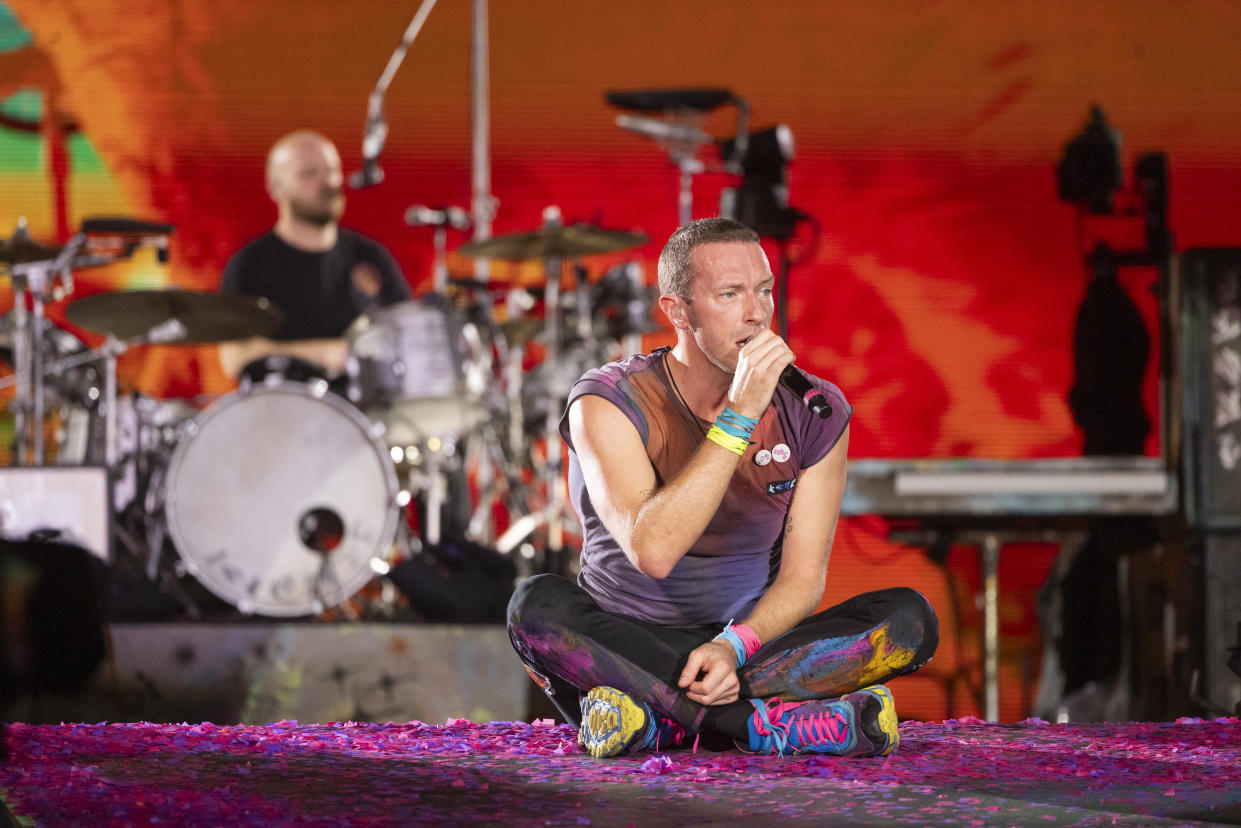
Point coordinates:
[[585, 321], [498, 479], [440, 220], [516, 304], [553, 467], [39, 280], [682, 139], [637, 313]]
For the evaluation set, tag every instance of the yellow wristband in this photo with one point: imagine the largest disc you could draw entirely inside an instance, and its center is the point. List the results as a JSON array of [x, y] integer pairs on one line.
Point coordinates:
[[737, 445]]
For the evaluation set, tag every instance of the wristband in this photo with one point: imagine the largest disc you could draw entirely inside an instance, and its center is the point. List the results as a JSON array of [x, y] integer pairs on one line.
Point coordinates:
[[737, 445], [738, 425], [735, 640], [744, 641]]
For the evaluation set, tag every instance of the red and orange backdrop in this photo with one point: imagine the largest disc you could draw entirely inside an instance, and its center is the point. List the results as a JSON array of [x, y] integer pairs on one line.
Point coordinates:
[[941, 295]]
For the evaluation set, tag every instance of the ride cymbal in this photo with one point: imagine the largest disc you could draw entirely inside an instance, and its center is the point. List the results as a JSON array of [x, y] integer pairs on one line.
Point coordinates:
[[557, 242], [207, 317]]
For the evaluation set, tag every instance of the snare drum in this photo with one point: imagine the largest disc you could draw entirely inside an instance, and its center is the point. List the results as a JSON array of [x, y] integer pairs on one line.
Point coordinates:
[[406, 370], [279, 498]]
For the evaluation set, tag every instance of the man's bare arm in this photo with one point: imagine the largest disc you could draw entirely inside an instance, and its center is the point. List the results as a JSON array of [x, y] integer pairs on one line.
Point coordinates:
[[330, 353], [710, 674], [655, 526], [809, 531]]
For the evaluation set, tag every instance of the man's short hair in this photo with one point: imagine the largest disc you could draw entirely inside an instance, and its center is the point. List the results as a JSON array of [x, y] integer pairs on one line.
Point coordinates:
[[675, 260]]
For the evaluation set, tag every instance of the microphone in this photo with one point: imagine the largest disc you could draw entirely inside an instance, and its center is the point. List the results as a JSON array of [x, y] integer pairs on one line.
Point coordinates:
[[420, 215], [372, 145], [662, 130], [795, 381]]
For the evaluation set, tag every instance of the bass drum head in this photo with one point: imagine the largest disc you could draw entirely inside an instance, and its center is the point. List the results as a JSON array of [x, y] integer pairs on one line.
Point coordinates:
[[279, 497]]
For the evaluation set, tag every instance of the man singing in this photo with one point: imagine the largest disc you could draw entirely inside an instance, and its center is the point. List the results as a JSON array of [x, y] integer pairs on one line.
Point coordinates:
[[709, 496]]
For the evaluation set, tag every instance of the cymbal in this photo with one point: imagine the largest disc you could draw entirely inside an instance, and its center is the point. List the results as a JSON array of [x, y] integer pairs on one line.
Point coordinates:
[[564, 242], [21, 249], [518, 332], [494, 286], [208, 317]]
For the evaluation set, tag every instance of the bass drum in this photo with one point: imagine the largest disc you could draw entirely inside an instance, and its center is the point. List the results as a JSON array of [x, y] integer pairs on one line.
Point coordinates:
[[280, 497]]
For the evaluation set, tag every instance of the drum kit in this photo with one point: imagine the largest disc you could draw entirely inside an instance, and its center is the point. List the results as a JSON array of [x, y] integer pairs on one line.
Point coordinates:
[[287, 496]]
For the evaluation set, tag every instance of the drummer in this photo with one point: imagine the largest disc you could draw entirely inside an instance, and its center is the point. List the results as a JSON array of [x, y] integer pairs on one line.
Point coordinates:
[[321, 275]]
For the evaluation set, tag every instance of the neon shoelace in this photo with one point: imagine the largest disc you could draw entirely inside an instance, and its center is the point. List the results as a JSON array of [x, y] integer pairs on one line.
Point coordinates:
[[826, 726], [675, 733]]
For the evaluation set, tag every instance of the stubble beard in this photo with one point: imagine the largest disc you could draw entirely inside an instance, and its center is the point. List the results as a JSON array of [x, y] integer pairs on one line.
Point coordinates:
[[325, 210]]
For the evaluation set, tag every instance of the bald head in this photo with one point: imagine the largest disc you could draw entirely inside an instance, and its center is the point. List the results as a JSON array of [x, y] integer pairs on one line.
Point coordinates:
[[304, 178]]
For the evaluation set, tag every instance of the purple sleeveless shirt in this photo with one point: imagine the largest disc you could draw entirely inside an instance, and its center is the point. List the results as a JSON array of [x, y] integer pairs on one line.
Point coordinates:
[[734, 561]]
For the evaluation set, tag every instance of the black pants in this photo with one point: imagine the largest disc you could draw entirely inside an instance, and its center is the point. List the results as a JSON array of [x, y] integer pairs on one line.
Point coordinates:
[[569, 644]]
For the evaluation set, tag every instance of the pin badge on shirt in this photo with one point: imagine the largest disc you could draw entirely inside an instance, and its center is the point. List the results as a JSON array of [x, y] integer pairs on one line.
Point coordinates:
[[762, 457], [780, 453]]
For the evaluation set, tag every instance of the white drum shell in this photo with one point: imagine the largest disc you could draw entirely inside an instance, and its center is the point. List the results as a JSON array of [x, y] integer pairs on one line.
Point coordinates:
[[245, 475]]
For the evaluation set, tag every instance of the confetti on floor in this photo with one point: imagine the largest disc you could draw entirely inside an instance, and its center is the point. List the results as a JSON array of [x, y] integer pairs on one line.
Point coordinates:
[[958, 772]]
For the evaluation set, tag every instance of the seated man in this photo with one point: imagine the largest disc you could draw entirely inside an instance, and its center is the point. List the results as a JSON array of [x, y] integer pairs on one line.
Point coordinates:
[[321, 275], [708, 496]]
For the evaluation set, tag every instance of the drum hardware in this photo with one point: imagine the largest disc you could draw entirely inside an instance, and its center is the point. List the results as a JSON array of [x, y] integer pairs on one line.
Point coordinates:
[[70, 395], [621, 306], [207, 317], [680, 135], [45, 272], [425, 468], [112, 237], [553, 241], [166, 332], [143, 317], [406, 371], [441, 220], [35, 270]]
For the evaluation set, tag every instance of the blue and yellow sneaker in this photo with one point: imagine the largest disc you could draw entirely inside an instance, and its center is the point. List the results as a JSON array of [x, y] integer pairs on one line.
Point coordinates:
[[614, 722], [859, 724]]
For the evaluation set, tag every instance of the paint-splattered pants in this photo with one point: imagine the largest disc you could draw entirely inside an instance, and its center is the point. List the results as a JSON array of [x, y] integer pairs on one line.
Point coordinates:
[[569, 644]]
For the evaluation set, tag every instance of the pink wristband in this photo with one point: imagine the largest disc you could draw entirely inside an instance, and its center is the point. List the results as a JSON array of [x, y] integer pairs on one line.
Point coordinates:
[[748, 638]]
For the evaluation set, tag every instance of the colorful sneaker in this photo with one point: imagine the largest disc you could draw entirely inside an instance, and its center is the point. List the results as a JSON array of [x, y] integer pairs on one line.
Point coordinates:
[[614, 722], [859, 724]]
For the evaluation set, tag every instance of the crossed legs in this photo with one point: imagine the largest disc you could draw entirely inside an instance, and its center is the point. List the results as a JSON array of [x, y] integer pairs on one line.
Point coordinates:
[[569, 645]]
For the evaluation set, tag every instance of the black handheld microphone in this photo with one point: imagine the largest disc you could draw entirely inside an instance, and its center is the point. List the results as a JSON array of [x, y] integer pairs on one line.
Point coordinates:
[[795, 381]]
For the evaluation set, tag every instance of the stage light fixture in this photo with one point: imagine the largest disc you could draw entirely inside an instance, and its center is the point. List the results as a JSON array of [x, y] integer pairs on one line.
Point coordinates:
[[762, 201], [1089, 172]]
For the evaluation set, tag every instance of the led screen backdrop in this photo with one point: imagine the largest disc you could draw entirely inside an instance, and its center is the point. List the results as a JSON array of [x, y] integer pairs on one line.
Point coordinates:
[[941, 292]]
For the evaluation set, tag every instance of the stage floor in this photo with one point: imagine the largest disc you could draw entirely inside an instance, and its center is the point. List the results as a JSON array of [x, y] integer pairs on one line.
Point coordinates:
[[961, 772]]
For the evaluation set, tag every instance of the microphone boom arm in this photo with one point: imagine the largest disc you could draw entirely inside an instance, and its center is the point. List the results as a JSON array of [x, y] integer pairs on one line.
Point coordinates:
[[376, 130]]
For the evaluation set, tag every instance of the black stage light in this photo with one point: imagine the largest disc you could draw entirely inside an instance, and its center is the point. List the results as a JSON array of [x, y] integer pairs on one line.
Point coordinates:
[[1089, 172], [762, 201]]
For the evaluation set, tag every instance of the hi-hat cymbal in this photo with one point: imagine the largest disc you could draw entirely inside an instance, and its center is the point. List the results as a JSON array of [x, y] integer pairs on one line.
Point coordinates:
[[21, 249], [563, 242], [207, 317]]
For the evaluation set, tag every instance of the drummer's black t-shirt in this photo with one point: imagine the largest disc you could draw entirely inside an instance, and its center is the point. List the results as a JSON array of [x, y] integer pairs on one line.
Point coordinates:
[[319, 293]]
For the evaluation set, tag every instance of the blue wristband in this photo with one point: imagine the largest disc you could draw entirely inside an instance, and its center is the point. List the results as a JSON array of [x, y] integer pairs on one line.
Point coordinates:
[[735, 640], [738, 425]]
